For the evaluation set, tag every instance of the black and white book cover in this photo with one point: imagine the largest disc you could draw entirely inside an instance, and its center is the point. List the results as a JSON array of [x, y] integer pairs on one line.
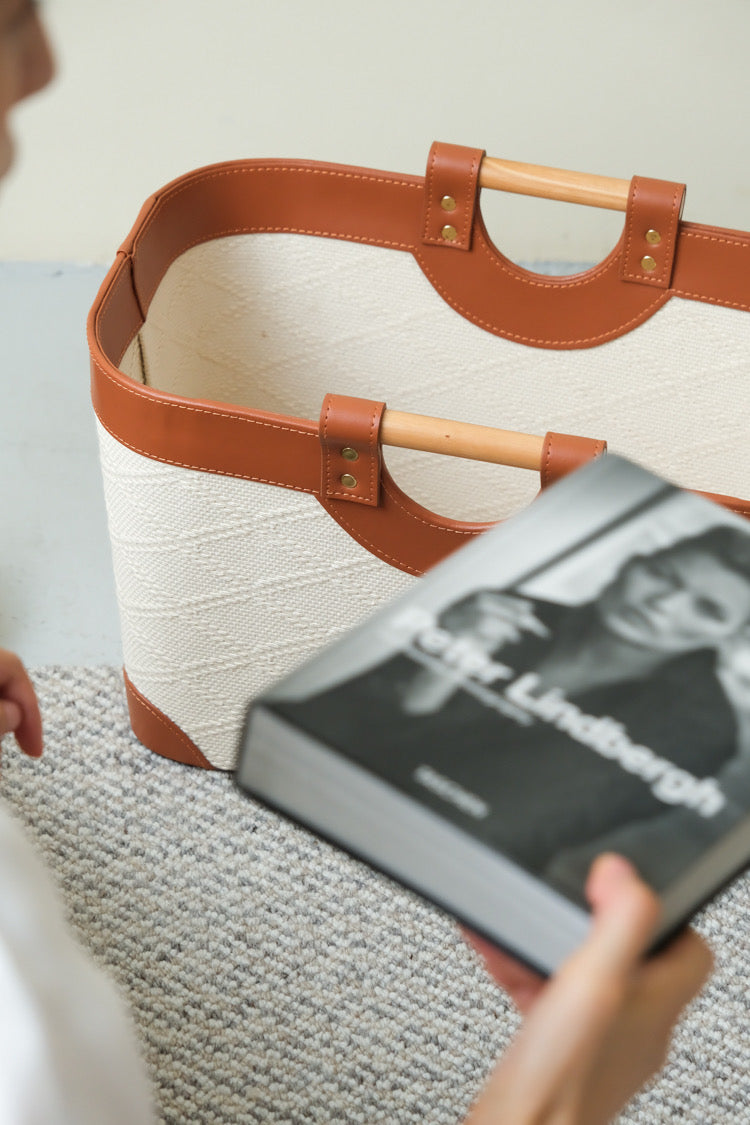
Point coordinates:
[[573, 681]]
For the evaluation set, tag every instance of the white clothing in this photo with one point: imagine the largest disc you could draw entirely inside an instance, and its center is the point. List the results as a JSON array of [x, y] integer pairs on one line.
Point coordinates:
[[68, 1055]]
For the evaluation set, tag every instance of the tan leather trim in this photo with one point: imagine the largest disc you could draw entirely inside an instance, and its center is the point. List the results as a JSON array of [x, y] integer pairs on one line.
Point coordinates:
[[232, 441], [409, 537], [157, 732], [451, 187], [651, 230], [272, 449], [292, 197], [351, 426], [116, 318], [740, 507], [562, 453], [713, 265], [580, 311], [383, 209]]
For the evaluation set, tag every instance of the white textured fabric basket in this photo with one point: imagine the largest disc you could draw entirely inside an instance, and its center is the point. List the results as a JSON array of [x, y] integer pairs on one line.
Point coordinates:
[[227, 577], [224, 585]]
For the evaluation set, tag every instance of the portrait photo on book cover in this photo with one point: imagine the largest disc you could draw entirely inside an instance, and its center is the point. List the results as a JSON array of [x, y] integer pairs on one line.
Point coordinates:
[[599, 701]]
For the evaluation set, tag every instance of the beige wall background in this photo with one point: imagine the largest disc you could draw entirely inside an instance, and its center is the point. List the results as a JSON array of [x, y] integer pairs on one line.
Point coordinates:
[[148, 89]]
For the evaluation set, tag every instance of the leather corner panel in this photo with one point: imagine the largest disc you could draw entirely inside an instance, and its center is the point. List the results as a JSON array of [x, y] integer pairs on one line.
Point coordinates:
[[158, 733]]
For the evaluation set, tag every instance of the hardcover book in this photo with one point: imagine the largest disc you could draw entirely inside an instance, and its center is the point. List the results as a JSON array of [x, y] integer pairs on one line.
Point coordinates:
[[575, 680]]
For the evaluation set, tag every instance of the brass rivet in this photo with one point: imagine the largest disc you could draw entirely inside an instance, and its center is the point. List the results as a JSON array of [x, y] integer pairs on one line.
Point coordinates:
[[349, 481], [448, 203], [653, 237], [449, 233], [648, 264], [349, 454]]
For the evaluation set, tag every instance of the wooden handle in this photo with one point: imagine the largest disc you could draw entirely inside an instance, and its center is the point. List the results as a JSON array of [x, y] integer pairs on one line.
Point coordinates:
[[461, 439], [554, 183]]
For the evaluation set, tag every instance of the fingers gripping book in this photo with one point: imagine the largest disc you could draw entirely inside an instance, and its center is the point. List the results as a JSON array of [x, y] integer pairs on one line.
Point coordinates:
[[575, 680]]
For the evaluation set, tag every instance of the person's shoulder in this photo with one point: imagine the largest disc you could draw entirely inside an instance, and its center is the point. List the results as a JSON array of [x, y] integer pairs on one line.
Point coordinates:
[[554, 614], [699, 665], [691, 681]]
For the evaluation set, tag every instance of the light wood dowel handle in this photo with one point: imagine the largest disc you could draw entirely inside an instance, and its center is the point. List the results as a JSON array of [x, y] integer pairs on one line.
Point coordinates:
[[461, 439], [554, 183]]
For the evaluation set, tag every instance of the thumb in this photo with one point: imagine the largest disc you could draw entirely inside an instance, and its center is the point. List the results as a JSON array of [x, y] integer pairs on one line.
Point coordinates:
[[626, 912], [10, 716]]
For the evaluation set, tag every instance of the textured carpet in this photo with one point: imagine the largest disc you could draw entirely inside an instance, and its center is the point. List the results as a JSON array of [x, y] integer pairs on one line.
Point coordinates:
[[272, 979]]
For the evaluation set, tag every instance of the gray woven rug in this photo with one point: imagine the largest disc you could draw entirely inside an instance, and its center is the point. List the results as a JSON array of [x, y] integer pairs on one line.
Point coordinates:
[[272, 979]]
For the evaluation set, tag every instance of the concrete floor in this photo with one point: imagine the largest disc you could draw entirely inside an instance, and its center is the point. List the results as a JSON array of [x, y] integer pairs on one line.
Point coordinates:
[[57, 602]]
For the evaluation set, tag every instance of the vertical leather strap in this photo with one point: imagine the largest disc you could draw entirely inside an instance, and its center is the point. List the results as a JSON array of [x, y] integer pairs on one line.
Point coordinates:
[[562, 453], [350, 444], [451, 186], [651, 226]]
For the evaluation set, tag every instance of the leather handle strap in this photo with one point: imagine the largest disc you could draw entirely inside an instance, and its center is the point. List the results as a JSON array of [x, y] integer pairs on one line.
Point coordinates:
[[350, 439], [562, 453], [653, 210], [651, 228], [352, 431], [451, 187]]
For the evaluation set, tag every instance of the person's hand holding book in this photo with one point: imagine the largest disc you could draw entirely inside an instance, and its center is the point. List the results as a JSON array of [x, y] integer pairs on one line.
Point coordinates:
[[601, 1027]]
